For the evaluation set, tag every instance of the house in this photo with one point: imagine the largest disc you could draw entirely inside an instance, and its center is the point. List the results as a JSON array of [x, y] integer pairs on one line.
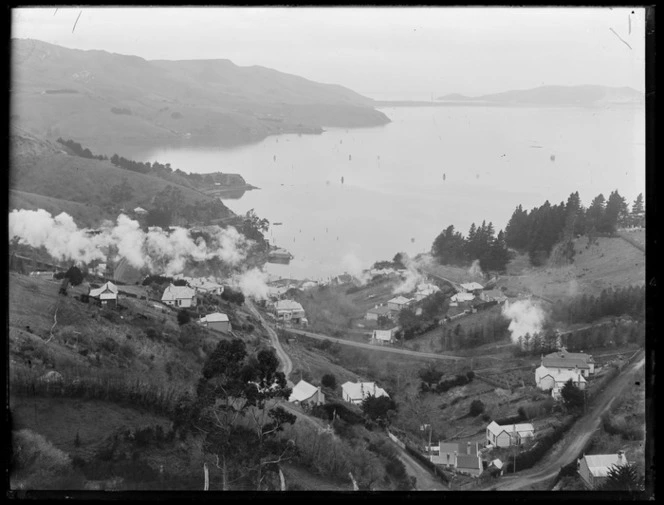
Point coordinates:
[[106, 295], [378, 311], [398, 303], [556, 378], [179, 296], [461, 297], [424, 290], [495, 467], [384, 336], [508, 435], [306, 394], [216, 321], [472, 287], [594, 469], [571, 361], [492, 295], [202, 285], [464, 458], [356, 392], [289, 310], [140, 211]]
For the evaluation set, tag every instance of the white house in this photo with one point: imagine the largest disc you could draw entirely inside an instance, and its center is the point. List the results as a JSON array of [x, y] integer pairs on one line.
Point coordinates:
[[424, 290], [106, 295], [464, 458], [306, 394], [289, 310], [556, 378], [384, 336], [461, 297], [472, 287], [202, 285], [493, 295], [571, 361], [378, 311], [179, 296], [216, 321], [594, 469], [356, 392], [398, 303], [508, 435]]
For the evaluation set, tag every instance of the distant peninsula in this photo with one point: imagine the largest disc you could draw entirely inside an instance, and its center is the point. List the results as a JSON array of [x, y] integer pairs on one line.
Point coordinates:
[[97, 97]]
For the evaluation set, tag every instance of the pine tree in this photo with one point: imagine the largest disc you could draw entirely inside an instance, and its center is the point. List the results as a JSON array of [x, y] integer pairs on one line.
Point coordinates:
[[637, 216]]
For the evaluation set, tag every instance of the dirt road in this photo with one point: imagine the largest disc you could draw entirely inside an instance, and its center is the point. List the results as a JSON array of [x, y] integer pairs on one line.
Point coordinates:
[[425, 480], [576, 438], [379, 348], [281, 354]]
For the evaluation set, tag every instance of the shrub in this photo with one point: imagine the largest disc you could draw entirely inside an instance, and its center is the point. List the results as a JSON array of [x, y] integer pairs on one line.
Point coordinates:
[[476, 408], [329, 381], [183, 317]]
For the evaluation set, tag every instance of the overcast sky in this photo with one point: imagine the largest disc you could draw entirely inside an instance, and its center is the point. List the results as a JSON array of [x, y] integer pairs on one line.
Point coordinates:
[[380, 52]]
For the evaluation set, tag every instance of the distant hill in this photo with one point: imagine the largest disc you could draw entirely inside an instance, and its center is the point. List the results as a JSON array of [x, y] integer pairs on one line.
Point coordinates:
[[93, 96], [589, 95]]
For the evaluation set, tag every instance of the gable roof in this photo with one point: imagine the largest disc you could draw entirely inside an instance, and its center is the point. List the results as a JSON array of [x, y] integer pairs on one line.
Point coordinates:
[[360, 390], [288, 305], [462, 297], [109, 286], [380, 310], [471, 286], [497, 429], [173, 292], [600, 464], [400, 300], [301, 391], [564, 358], [216, 317], [468, 462]]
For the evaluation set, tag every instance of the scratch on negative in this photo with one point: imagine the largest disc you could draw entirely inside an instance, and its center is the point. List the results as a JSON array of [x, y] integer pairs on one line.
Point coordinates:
[[614, 32], [79, 15]]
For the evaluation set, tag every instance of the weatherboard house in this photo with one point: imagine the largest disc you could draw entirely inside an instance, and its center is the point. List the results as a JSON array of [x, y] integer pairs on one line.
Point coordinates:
[[289, 310], [464, 458], [356, 392], [398, 303], [384, 336], [106, 295], [471, 287], [508, 435], [572, 361], [556, 378], [378, 311], [306, 394], [594, 469], [179, 296], [217, 321]]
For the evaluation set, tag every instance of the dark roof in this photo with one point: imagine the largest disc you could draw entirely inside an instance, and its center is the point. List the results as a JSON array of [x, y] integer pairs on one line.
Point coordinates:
[[466, 461]]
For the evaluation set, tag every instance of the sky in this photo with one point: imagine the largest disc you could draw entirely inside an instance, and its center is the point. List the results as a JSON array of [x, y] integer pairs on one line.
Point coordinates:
[[383, 53]]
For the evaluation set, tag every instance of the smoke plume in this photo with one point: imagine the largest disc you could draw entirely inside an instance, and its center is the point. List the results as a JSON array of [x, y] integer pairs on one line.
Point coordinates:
[[159, 251], [252, 283], [353, 266], [525, 317], [475, 270], [411, 279]]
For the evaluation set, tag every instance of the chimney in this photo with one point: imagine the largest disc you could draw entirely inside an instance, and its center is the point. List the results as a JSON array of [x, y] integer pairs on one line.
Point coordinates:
[[468, 448]]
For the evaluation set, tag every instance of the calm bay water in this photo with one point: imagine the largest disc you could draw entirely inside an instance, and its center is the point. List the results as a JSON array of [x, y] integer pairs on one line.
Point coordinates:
[[347, 198]]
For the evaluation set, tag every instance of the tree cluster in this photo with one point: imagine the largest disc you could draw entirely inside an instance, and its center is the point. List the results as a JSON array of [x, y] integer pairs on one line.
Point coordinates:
[[430, 385], [232, 296], [452, 248], [79, 150], [537, 231], [627, 301], [491, 329], [434, 307]]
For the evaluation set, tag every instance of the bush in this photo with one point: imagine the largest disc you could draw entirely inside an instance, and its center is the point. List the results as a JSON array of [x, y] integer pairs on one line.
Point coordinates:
[[329, 381], [476, 408], [183, 317]]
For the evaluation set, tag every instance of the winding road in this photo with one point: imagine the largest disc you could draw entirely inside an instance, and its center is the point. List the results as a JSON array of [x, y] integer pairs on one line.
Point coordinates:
[[379, 348], [577, 437]]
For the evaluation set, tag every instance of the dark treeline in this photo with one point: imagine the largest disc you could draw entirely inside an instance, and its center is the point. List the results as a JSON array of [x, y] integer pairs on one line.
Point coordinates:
[[537, 231], [491, 329], [81, 151], [452, 248], [628, 301]]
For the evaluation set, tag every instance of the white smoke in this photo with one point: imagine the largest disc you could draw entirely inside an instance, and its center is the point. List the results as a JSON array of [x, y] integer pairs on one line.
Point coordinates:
[[475, 270], [161, 252], [525, 317], [353, 266], [252, 283], [411, 278]]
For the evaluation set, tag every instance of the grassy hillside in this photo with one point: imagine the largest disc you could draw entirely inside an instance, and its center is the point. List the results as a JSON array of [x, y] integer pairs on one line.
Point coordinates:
[[42, 174], [95, 95]]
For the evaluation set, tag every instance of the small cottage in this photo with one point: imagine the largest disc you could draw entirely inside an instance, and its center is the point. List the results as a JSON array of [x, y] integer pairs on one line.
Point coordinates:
[[378, 311], [508, 435], [105, 296], [398, 303], [356, 392], [594, 469], [216, 321], [306, 394], [179, 296]]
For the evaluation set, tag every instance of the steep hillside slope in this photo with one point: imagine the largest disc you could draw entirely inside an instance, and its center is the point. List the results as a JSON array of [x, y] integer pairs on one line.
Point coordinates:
[[94, 95]]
